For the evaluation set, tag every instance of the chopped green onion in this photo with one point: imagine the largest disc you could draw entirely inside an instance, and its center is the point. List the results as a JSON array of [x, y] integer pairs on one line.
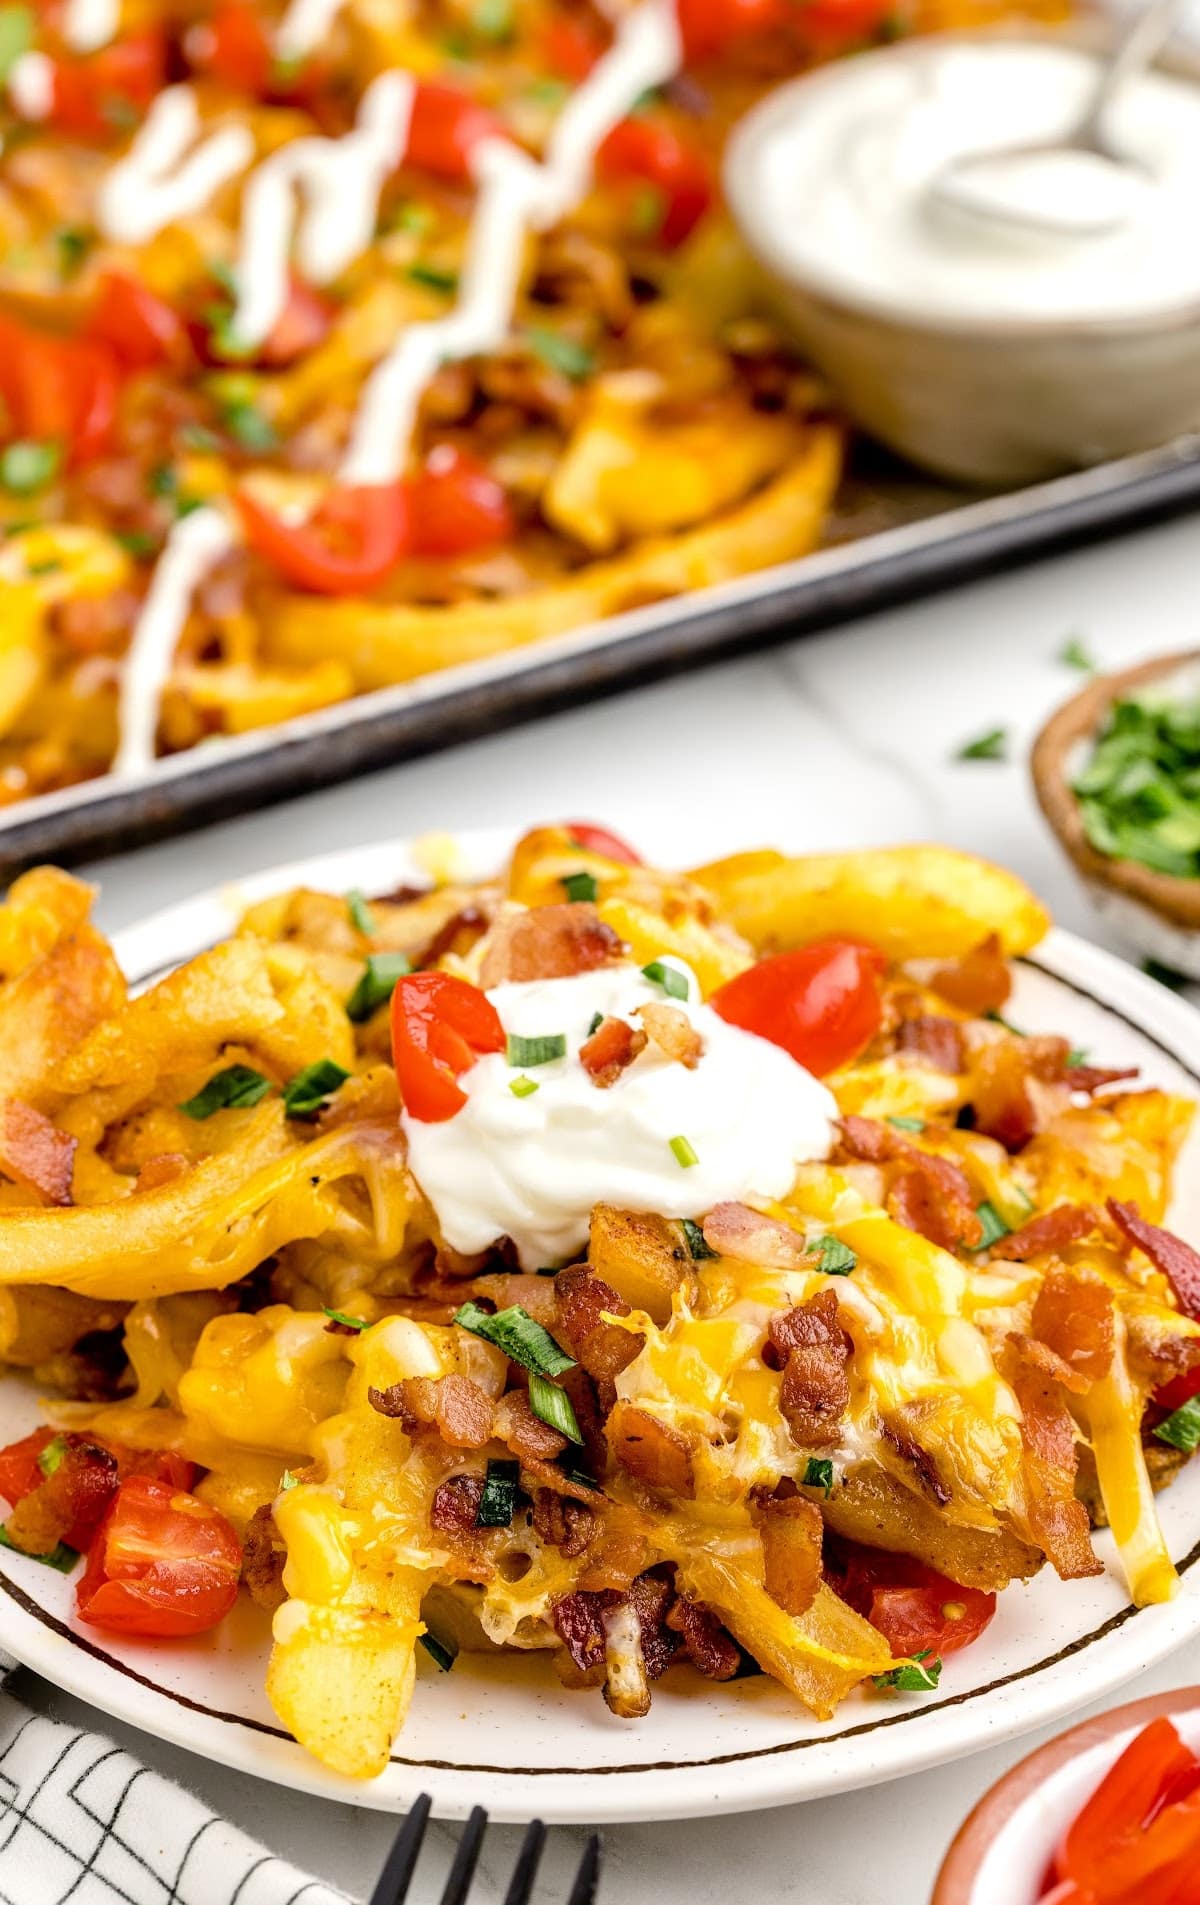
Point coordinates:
[[992, 746], [647, 212], [17, 30], [523, 1087], [347, 1322], [1073, 654], [413, 217], [247, 426], [52, 1455], [1182, 1429], [683, 1153], [553, 1406], [288, 1480], [1078, 1055], [1166, 975], [580, 886], [433, 277], [27, 467], [51, 566], [522, 1340], [163, 480], [837, 1258], [908, 1124], [360, 913], [61, 1558], [559, 352], [197, 436], [1139, 789], [819, 1474], [579, 1476], [546, 92], [498, 1502], [994, 1226], [139, 542], [309, 1089], [597, 1022], [442, 1649], [377, 982], [698, 1245], [998, 1018], [73, 247], [233, 1089], [535, 1051], [673, 983], [921, 1675]]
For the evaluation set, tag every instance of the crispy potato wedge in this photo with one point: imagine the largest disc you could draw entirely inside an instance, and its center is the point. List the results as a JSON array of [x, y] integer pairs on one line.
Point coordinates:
[[643, 1257], [870, 1506]]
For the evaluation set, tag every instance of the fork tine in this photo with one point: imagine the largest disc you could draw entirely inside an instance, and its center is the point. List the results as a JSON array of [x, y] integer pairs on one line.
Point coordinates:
[[465, 1859], [396, 1877], [583, 1892], [520, 1886]]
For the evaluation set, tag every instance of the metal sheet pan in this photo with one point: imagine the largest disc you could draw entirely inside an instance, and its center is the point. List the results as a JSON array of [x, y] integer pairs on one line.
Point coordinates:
[[894, 537]]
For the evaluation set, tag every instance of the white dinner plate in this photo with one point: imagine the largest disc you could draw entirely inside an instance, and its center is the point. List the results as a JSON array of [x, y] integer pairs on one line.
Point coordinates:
[[500, 1731]]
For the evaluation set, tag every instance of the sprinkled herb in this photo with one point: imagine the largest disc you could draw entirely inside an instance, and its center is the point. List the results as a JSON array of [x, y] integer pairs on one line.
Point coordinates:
[[247, 426], [288, 1480], [994, 1226], [921, 1675], [580, 886], [819, 1474], [50, 566], [998, 1018], [309, 1089], [535, 1051], [61, 1558], [523, 1087], [908, 1124], [522, 1340], [413, 217], [1182, 1429], [698, 1246], [139, 542], [646, 212], [233, 1089], [596, 1022], [837, 1258], [376, 984], [559, 352], [16, 37], [52, 1455], [1139, 791], [1166, 975], [683, 1153], [163, 480], [499, 1499], [360, 913], [73, 247], [673, 983], [553, 1406], [27, 467], [992, 746], [1073, 654], [442, 1649], [355, 1323], [434, 277], [1078, 1055], [197, 436]]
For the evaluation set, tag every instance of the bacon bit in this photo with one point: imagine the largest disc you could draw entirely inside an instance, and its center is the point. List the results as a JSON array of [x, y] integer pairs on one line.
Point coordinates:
[[1001, 1098], [1057, 1520], [792, 1532], [1053, 1230], [455, 1505], [811, 1325], [734, 1230], [1073, 1316], [710, 1649], [979, 982], [562, 1523], [73, 1500], [580, 1620], [1179, 1263], [651, 1597], [673, 1033], [458, 935], [918, 1459], [504, 1288], [938, 1040], [932, 1195], [652, 1451], [1093, 1078], [1040, 1356], [263, 1558], [529, 1439], [35, 1153], [166, 1168], [601, 1348], [455, 1406], [579, 1623], [809, 1344], [548, 942], [611, 1049]]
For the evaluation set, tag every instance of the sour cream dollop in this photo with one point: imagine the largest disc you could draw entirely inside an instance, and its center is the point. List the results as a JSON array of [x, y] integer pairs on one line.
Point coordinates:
[[532, 1167]]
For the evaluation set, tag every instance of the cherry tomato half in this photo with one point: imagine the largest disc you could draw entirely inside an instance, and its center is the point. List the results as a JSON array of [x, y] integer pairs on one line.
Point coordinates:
[[60, 390], [917, 1610], [829, 26], [440, 1026], [457, 506], [821, 1003], [445, 128], [105, 95], [352, 541], [600, 840], [651, 150], [710, 27], [162, 1563], [138, 327], [87, 1497]]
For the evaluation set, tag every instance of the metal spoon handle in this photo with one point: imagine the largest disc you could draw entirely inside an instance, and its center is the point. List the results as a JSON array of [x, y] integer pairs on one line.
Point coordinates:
[[1139, 46]]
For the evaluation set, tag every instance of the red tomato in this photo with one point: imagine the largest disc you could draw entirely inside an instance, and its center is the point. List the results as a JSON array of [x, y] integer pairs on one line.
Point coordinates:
[[445, 128], [600, 840], [570, 46], [58, 389], [233, 45], [162, 1563], [651, 150], [138, 327], [352, 541], [1179, 1390], [304, 324], [917, 1610], [106, 94], [1136, 1840], [457, 506], [440, 1026], [821, 1003], [19, 1471], [708, 27], [831, 25], [88, 1492]]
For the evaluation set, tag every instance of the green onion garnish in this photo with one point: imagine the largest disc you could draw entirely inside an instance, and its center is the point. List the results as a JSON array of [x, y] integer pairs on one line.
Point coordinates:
[[992, 746], [1078, 1055], [247, 426], [376, 984], [433, 277], [498, 1502], [673, 983], [52, 1455], [61, 1558], [308, 1091], [1139, 789], [836, 1258], [819, 1474], [73, 247], [907, 1124], [493, 19], [233, 1089], [921, 1675], [597, 1022], [698, 1245], [1073, 654], [27, 467], [443, 1649], [360, 912], [288, 1480], [535, 1051], [347, 1322], [1182, 1429], [553, 1406], [580, 886], [523, 1087], [683, 1153], [994, 1226], [522, 1340], [559, 352], [1166, 975]]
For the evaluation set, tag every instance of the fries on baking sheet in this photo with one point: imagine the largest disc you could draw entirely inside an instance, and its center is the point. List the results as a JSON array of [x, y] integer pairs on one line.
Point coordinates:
[[660, 1271]]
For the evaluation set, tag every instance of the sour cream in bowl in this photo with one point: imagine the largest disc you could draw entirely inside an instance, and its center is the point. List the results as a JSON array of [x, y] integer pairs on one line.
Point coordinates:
[[980, 348]]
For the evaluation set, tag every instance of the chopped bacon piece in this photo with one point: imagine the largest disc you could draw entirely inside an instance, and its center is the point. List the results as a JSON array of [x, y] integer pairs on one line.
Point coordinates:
[[1179, 1263], [917, 1459], [734, 1230], [263, 1559], [651, 1450], [548, 942], [611, 1049], [601, 1348], [583, 1621], [1093, 1078], [673, 1033], [1058, 1522], [812, 1348], [1003, 1103], [791, 1532], [562, 1523], [458, 935], [35, 1153], [1073, 1316], [939, 1040], [978, 982], [504, 1288], [456, 1504], [71, 1502], [529, 1439], [810, 1325], [932, 1195], [456, 1407], [871, 1141], [1053, 1230], [579, 1623], [710, 1649]]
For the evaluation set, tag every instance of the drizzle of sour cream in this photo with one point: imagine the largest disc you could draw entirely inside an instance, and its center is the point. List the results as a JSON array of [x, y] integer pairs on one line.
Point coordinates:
[[532, 1168], [31, 85], [90, 24], [195, 545], [304, 26], [165, 175], [339, 181]]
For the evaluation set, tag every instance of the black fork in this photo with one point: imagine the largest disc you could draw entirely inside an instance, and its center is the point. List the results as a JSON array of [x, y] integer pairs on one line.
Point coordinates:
[[396, 1877]]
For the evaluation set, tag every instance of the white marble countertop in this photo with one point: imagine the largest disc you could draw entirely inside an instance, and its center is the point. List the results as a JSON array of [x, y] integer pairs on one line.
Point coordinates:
[[839, 740]]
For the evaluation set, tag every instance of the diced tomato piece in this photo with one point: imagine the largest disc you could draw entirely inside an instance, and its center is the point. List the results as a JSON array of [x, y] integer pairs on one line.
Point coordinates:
[[305, 323], [711, 27], [19, 1471], [446, 127], [81, 1491], [1179, 1390], [821, 1003], [235, 47], [140, 328], [352, 540], [830, 26], [107, 94], [600, 840], [162, 1563], [457, 507], [651, 150], [570, 46], [61, 390], [440, 1026]]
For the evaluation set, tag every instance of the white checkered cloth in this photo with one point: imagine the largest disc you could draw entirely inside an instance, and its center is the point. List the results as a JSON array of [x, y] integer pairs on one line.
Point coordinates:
[[82, 1822]]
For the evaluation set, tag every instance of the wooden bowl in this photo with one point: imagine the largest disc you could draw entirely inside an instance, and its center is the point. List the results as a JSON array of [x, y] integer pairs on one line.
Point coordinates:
[[1156, 914]]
